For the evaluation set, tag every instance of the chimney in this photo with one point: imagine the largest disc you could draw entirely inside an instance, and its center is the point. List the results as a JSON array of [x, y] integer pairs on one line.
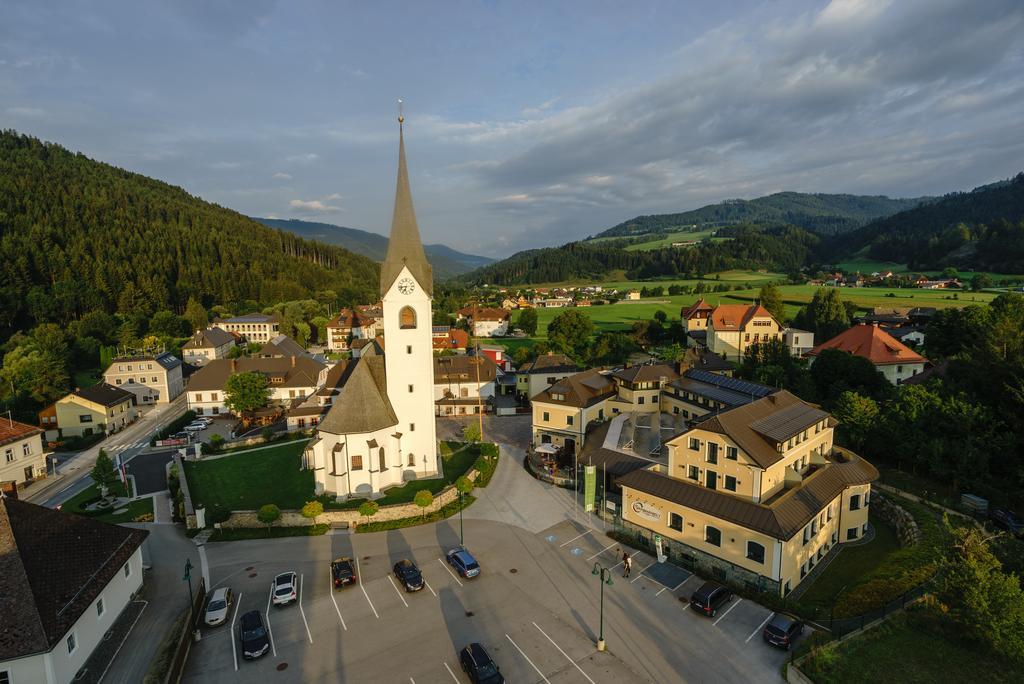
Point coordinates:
[[772, 398]]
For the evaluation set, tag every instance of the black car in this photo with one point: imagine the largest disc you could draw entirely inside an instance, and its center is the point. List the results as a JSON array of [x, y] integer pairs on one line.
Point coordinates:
[[1007, 520], [479, 666], [342, 572], [782, 630], [709, 598], [409, 575], [253, 635]]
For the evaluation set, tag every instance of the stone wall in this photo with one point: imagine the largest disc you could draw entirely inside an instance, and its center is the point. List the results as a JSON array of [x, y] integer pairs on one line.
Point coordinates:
[[896, 516]]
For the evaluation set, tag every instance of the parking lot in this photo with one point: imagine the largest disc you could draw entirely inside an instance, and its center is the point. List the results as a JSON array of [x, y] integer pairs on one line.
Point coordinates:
[[534, 608]]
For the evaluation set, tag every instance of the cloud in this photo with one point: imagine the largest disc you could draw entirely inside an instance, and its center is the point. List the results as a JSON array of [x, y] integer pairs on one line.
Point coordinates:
[[225, 165], [280, 175], [313, 206], [304, 158]]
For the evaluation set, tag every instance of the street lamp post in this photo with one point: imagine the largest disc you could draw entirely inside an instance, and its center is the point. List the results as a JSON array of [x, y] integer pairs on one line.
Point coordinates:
[[462, 538], [188, 576], [606, 578]]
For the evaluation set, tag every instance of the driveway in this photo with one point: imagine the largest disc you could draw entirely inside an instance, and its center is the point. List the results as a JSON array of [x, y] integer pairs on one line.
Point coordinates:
[[150, 471], [512, 430]]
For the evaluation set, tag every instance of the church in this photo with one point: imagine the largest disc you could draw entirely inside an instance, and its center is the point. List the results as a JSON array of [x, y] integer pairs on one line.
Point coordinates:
[[379, 431]]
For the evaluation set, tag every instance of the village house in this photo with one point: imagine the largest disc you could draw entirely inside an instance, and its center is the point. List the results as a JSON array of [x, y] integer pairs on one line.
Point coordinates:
[[895, 360], [464, 384], [544, 371], [632, 295], [695, 320], [309, 411], [101, 408], [281, 346], [797, 341], [756, 495], [152, 378], [445, 338], [485, 322], [288, 377], [206, 345], [255, 327], [24, 458], [563, 411], [64, 581], [734, 327]]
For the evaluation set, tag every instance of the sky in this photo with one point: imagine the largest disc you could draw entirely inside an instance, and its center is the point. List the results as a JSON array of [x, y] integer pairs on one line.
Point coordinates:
[[527, 123]]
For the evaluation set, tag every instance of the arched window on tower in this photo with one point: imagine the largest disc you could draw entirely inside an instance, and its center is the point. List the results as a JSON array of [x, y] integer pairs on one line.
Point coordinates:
[[407, 318]]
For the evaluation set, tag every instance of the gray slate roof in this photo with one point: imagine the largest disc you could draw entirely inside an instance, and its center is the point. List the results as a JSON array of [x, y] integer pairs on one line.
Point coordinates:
[[209, 338], [282, 345], [405, 249], [104, 394], [362, 405]]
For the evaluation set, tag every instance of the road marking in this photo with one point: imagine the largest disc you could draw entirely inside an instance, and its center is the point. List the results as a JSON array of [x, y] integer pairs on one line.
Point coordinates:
[[528, 659], [302, 582], [575, 664], [359, 578], [238, 604], [601, 551], [430, 588], [396, 590], [738, 601], [686, 605], [331, 581], [641, 573], [759, 628], [412, 680], [450, 672], [445, 566], [270, 631], [574, 539], [675, 588]]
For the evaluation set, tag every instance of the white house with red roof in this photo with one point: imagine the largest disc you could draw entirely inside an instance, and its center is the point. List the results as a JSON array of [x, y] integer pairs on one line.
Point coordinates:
[[895, 360], [734, 327]]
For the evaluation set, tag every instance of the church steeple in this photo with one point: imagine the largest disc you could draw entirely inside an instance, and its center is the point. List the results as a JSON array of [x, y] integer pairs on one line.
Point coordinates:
[[404, 246]]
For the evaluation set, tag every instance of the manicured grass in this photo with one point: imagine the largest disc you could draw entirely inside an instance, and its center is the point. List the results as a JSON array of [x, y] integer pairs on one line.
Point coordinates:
[[242, 534], [850, 566], [249, 480], [916, 646], [440, 514]]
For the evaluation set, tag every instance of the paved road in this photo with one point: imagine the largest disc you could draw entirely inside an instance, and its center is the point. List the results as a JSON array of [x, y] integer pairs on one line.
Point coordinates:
[[150, 471]]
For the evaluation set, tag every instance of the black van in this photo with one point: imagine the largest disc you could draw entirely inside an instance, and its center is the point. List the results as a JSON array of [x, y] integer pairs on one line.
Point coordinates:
[[709, 598]]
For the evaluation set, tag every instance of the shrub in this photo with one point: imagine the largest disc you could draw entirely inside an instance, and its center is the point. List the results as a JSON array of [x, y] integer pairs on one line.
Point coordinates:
[[368, 509], [423, 499], [268, 514], [216, 442], [439, 514]]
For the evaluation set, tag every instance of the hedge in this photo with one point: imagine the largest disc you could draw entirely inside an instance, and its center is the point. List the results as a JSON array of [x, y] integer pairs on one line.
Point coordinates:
[[440, 514]]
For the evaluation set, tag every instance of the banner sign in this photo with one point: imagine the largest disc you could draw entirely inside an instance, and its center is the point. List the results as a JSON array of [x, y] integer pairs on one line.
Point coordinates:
[[589, 487]]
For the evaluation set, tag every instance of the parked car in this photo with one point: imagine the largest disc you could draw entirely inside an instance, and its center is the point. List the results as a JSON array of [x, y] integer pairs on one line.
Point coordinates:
[[203, 419], [782, 630], [218, 607], [710, 597], [463, 562], [286, 588], [1006, 520], [342, 572], [180, 435], [195, 427], [479, 666], [409, 575], [253, 635]]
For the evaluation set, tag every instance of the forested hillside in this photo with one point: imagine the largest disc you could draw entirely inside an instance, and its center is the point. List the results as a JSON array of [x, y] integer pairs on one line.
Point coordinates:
[[446, 261], [980, 230], [79, 236], [823, 214], [783, 248]]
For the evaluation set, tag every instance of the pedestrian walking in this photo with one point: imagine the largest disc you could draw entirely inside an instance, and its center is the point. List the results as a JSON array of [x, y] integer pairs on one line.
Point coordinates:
[[627, 564]]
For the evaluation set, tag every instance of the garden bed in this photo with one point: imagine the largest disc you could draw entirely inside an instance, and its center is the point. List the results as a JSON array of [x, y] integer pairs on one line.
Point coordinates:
[[241, 534]]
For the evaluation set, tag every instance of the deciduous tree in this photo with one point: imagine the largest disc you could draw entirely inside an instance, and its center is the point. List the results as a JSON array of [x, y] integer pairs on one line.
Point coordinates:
[[246, 392]]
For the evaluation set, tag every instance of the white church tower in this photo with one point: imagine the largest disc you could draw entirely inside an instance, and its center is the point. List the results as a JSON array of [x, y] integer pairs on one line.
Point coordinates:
[[406, 288]]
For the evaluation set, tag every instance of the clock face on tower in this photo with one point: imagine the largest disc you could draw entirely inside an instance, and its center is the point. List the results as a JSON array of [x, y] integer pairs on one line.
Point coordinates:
[[406, 286]]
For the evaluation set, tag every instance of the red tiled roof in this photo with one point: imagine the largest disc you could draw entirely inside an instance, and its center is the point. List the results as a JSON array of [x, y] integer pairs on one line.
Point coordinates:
[[699, 305], [12, 430], [455, 339], [733, 317], [873, 343]]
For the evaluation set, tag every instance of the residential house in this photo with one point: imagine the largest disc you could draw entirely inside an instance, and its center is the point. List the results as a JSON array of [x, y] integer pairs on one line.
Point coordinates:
[[23, 456], [911, 334], [65, 579], [281, 346], [553, 303], [638, 388], [464, 384], [289, 378], [544, 371], [797, 341], [632, 295], [102, 408], [702, 359], [48, 423], [308, 412], [697, 393], [756, 495], [451, 339], [339, 331], [695, 320], [255, 327], [508, 304], [895, 360], [152, 378], [941, 284], [734, 327], [206, 345], [485, 322], [563, 411], [496, 353]]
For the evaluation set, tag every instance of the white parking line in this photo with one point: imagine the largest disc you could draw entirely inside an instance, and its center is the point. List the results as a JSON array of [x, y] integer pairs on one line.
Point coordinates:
[[641, 573], [738, 601], [331, 580], [445, 566], [234, 653], [759, 628], [270, 632], [528, 659], [575, 664], [359, 575], [302, 583], [674, 589], [395, 587], [574, 539], [450, 672], [600, 552], [430, 588]]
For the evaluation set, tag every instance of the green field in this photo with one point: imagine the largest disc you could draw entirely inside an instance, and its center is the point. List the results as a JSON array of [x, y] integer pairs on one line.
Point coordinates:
[[864, 265], [796, 296], [666, 239]]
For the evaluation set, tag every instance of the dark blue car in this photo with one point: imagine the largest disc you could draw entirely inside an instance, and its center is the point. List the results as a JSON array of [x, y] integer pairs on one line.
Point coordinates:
[[463, 562]]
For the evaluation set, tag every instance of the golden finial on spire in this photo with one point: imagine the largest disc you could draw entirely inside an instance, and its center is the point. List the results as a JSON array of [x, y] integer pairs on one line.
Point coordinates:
[[401, 115]]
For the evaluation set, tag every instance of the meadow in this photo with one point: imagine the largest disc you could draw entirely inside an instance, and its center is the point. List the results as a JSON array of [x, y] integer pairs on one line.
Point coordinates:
[[864, 265], [662, 240]]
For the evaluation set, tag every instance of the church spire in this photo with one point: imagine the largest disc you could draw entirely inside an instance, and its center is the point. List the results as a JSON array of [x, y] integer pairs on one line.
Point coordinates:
[[404, 246]]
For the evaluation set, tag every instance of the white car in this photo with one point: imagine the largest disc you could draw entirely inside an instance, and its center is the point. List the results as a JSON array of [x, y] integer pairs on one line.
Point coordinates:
[[218, 606], [204, 420], [285, 588], [195, 427]]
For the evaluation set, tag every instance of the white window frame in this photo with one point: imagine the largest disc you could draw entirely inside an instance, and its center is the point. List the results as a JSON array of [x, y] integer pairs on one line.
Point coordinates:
[[128, 569], [100, 608], [72, 643]]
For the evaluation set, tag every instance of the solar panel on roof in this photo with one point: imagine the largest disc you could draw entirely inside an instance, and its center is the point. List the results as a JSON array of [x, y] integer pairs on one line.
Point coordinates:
[[740, 386], [784, 424]]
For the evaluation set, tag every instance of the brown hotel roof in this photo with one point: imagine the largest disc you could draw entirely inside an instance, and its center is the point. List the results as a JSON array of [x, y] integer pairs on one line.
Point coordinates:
[[782, 518]]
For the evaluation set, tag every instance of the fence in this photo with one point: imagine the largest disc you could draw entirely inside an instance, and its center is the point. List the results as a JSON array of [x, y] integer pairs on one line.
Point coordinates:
[[839, 627]]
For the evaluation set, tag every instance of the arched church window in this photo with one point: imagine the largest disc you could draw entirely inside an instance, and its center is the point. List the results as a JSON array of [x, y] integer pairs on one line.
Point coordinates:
[[412, 459], [407, 318], [383, 461]]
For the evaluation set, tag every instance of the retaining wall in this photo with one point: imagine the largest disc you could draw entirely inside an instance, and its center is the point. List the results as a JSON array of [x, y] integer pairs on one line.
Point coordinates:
[[898, 517]]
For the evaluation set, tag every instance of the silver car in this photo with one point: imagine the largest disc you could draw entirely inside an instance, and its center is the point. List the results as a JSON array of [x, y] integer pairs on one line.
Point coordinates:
[[218, 607]]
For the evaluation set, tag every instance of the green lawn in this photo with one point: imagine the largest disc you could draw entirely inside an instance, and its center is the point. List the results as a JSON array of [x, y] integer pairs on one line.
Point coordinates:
[[250, 480], [865, 265], [916, 646], [850, 567], [136, 509], [867, 297], [662, 240]]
